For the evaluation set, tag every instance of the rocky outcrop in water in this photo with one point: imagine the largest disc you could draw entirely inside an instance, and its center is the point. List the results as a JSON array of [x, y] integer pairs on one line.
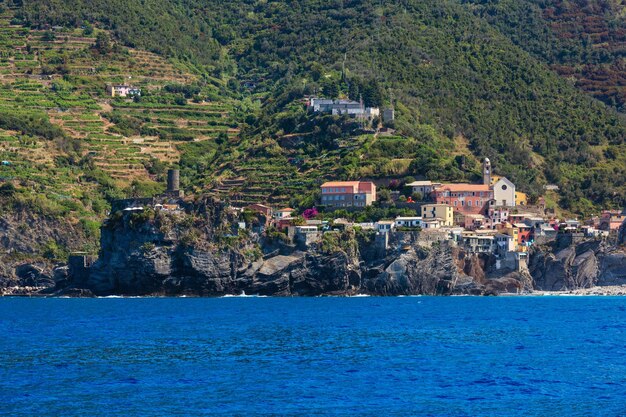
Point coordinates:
[[560, 267], [24, 237]]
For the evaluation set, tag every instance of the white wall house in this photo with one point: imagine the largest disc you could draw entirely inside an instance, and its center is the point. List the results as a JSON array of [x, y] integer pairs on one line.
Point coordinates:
[[504, 193], [385, 226], [425, 188], [408, 222]]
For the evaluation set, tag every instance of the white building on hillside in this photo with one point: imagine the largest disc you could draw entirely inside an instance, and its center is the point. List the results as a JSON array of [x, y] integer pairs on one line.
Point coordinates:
[[343, 107]]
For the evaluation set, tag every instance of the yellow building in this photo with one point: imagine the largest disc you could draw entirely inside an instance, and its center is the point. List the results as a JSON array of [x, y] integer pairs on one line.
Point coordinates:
[[439, 211], [494, 179], [521, 199]]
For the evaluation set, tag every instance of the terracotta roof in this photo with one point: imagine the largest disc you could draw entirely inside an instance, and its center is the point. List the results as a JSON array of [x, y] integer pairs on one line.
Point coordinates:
[[341, 184], [357, 186], [466, 187], [286, 209]]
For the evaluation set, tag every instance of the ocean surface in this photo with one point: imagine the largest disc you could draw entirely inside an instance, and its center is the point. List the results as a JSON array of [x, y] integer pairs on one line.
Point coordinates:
[[447, 356]]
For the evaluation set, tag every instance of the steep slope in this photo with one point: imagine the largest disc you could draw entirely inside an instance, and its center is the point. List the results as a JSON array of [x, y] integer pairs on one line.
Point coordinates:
[[445, 68], [584, 41], [68, 149]]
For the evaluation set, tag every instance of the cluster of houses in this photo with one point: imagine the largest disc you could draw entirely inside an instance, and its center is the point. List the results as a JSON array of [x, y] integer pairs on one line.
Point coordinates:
[[492, 217]]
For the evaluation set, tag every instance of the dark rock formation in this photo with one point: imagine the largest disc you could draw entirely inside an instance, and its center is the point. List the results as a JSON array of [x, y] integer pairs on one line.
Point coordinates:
[[583, 265], [200, 253]]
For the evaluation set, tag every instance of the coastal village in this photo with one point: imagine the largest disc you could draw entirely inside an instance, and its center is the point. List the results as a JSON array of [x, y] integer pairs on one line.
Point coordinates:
[[492, 217], [326, 164]]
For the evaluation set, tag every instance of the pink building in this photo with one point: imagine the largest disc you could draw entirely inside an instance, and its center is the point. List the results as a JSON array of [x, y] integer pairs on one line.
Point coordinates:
[[348, 193], [466, 198]]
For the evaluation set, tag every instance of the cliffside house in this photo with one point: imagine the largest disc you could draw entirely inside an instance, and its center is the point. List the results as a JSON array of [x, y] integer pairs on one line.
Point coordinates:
[[343, 107], [466, 198], [122, 90], [408, 222], [479, 242], [348, 193], [442, 212], [263, 210], [525, 233], [571, 224], [284, 213], [306, 234], [504, 243], [385, 226]]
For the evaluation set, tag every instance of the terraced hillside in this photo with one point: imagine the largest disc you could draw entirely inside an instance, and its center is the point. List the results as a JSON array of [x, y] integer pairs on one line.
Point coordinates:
[[459, 73], [62, 73]]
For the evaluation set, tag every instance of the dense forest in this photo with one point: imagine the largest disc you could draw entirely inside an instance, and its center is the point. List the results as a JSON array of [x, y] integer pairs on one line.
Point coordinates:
[[583, 40], [476, 73]]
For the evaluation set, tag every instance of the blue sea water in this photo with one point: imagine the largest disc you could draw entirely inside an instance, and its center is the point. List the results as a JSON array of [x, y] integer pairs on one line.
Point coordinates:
[[453, 356]]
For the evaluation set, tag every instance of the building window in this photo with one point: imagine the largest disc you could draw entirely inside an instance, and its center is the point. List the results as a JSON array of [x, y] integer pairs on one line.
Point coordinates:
[[469, 203], [504, 187]]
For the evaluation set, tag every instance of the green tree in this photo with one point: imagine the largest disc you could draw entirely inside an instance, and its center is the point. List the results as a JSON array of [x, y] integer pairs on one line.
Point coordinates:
[[103, 43]]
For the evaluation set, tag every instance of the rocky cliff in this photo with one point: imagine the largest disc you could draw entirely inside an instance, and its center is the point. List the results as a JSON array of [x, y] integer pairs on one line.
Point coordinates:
[[29, 244], [568, 266], [197, 251]]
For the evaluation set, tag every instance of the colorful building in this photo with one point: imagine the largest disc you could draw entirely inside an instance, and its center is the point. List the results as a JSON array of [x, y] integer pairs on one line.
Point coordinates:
[[284, 213], [348, 193], [442, 212], [525, 233], [521, 199]]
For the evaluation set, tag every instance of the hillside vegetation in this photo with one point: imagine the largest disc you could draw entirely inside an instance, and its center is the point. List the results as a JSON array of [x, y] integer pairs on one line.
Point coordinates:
[[463, 76], [582, 40]]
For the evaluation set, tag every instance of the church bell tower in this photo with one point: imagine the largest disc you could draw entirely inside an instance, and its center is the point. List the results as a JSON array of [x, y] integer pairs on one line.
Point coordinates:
[[487, 172]]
